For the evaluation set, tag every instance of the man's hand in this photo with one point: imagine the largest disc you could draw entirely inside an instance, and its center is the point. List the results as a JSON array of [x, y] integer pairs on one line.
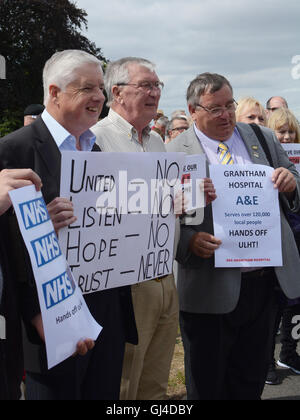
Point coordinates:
[[180, 204], [204, 245], [284, 180], [11, 179], [209, 191], [61, 212], [82, 347]]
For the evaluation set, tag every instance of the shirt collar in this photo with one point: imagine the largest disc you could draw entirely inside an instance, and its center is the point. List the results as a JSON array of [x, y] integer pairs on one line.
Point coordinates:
[[125, 126], [213, 143], [63, 138]]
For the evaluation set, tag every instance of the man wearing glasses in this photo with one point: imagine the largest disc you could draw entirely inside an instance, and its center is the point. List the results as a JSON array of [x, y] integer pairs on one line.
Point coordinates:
[[134, 89], [227, 314], [177, 126]]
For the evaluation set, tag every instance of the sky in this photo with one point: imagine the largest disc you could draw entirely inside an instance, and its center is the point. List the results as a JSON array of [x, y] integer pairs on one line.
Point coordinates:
[[255, 44]]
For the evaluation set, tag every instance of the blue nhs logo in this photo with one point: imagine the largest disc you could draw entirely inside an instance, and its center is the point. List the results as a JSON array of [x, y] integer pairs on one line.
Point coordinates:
[[58, 290], [34, 213], [46, 249]]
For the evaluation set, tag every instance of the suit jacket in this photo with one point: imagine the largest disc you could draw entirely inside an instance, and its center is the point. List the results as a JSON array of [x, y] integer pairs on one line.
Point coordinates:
[[33, 147], [202, 287]]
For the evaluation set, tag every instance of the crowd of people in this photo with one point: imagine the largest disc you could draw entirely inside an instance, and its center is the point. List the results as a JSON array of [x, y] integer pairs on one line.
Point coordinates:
[[228, 317]]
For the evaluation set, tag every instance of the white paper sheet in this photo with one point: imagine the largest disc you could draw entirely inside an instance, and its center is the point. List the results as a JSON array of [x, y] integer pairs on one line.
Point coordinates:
[[246, 216], [66, 318]]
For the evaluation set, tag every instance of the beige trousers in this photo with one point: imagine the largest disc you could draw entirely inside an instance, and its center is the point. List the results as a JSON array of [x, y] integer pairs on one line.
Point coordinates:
[[146, 366]]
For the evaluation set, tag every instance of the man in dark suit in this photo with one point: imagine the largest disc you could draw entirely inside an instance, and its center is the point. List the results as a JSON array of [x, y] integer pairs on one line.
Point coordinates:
[[73, 96], [227, 314]]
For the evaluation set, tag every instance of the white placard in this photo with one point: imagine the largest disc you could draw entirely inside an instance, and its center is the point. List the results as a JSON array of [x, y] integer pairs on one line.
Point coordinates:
[[246, 216], [66, 318], [293, 152], [124, 233]]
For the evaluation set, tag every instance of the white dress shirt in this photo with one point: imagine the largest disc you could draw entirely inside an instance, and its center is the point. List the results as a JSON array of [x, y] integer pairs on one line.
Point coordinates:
[[115, 134], [235, 144]]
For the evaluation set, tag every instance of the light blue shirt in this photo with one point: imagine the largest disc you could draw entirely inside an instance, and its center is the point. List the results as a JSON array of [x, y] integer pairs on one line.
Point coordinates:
[[64, 140], [235, 145]]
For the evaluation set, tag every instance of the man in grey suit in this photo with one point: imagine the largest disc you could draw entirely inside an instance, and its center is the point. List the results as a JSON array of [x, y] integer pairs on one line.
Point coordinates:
[[226, 314]]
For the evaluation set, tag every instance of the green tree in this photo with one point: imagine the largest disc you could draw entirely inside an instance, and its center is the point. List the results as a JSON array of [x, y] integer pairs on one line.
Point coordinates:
[[30, 32]]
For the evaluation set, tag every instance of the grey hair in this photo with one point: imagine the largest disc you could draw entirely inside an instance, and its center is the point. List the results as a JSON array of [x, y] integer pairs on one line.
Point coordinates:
[[205, 83], [163, 121], [61, 68], [118, 72], [179, 117]]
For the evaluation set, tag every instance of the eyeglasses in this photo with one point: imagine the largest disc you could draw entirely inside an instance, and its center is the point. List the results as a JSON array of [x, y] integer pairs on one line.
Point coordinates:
[[272, 109], [218, 111], [179, 129], [145, 86]]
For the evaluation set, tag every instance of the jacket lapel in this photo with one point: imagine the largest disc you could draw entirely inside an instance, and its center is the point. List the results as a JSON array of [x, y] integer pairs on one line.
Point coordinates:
[[48, 150], [252, 144], [192, 145]]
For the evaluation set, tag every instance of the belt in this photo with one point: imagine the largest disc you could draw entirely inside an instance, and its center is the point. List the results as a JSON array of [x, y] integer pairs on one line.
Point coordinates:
[[161, 278], [263, 272]]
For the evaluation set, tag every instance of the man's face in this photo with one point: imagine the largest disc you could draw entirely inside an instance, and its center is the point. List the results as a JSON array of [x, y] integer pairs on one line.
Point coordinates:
[[139, 104], [276, 103], [178, 127], [80, 104], [221, 127]]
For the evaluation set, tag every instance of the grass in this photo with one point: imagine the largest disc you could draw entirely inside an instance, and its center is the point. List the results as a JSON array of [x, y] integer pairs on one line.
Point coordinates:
[[176, 386]]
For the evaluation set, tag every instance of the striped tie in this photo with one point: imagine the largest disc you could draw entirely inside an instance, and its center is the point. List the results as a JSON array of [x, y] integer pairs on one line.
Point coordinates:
[[224, 154]]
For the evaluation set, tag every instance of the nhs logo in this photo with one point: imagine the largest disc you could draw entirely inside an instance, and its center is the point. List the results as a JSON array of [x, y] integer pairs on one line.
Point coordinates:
[[46, 249], [58, 290], [34, 213]]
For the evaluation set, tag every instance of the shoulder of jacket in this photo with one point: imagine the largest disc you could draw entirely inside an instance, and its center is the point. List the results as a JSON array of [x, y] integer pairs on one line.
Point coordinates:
[[18, 135], [177, 145], [244, 128]]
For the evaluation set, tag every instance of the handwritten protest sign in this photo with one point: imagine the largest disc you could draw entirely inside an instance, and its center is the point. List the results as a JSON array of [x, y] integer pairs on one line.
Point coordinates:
[[124, 233], [293, 152], [246, 216], [66, 318]]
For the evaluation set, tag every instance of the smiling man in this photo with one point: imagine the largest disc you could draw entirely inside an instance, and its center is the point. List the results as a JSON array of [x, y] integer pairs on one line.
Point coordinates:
[[73, 96], [134, 90]]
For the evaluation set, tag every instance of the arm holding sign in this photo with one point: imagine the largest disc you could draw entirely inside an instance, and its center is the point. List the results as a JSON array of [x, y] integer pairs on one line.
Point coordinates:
[[285, 182], [204, 244], [209, 191], [83, 346], [11, 179]]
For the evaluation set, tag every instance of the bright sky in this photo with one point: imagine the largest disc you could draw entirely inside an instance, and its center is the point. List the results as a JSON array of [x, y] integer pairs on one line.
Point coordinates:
[[252, 43]]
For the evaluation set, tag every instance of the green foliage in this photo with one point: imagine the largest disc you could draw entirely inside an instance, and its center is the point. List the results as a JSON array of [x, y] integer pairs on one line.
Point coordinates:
[[10, 122], [31, 31]]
